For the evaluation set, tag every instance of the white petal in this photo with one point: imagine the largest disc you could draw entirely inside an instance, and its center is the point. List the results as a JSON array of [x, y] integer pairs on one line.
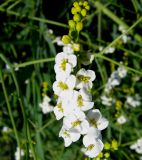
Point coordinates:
[[57, 113], [102, 123], [94, 114], [71, 81], [91, 74], [87, 106], [72, 60]]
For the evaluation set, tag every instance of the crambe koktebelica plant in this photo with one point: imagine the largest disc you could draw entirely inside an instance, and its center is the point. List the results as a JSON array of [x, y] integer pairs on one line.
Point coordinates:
[[73, 88]]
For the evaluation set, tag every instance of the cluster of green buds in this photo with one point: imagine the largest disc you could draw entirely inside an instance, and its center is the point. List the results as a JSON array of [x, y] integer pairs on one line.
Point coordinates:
[[44, 88], [108, 147], [79, 12], [118, 107]]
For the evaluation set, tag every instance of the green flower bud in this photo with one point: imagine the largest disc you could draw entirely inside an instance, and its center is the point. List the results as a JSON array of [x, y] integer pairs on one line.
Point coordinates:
[[76, 17], [75, 4], [107, 155], [80, 3], [87, 7], [83, 12], [78, 8], [76, 47], [66, 39], [85, 3], [79, 26], [71, 24], [73, 10]]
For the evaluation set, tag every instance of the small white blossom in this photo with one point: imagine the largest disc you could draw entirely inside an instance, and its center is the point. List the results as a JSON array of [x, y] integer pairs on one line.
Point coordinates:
[[92, 142], [58, 41], [82, 99], [121, 119], [133, 101], [69, 135], [19, 153], [85, 78], [64, 64], [68, 49], [107, 101], [96, 120], [64, 84], [137, 146], [45, 105], [77, 120], [88, 59], [62, 109], [122, 72]]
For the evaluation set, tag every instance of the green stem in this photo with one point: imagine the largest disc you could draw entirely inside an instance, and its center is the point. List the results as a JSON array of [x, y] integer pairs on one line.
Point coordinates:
[[9, 110], [34, 18], [117, 63], [34, 62], [119, 37]]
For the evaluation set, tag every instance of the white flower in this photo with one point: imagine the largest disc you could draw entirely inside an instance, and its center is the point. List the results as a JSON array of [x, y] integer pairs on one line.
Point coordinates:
[[109, 50], [19, 152], [82, 99], [85, 78], [122, 72], [137, 146], [64, 63], [62, 108], [96, 120], [69, 135], [121, 119], [77, 120], [89, 57], [45, 106], [106, 100], [93, 144], [133, 101], [58, 41], [68, 49], [64, 84], [5, 129]]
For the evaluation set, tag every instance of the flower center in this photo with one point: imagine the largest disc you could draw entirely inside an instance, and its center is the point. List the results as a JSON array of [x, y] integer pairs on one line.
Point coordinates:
[[60, 108], [90, 147], [79, 101], [85, 79], [63, 86], [66, 133], [76, 123], [93, 122], [63, 64]]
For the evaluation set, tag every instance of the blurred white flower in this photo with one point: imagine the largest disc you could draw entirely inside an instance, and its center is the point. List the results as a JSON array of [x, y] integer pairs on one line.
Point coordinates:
[[45, 105], [121, 119], [133, 101], [19, 153], [58, 41], [68, 49], [137, 146], [107, 101], [85, 78], [96, 120], [122, 72]]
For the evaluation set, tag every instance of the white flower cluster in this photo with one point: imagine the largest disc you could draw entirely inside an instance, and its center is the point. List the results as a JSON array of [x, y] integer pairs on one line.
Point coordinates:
[[114, 80], [137, 146], [74, 100]]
